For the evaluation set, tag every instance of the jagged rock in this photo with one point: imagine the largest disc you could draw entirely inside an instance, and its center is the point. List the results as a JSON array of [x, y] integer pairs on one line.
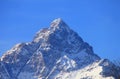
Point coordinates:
[[56, 52]]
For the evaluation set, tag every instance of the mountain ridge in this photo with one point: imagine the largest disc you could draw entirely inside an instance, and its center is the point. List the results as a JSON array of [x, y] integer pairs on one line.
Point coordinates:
[[54, 51]]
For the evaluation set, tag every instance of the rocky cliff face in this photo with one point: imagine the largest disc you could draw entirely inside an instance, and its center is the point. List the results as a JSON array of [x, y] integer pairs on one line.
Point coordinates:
[[56, 52]]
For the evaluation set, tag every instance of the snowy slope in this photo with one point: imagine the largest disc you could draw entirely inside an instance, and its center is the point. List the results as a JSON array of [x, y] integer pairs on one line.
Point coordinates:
[[56, 52], [92, 71]]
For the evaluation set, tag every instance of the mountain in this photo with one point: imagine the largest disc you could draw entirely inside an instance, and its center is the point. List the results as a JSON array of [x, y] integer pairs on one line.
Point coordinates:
[[56, 52]]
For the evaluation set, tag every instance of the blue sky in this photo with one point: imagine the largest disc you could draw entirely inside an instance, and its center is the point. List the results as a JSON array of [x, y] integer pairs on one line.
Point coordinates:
[[96, 21]]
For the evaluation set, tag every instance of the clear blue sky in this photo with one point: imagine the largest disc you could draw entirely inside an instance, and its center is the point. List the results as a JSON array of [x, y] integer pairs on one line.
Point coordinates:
[[96, 21]]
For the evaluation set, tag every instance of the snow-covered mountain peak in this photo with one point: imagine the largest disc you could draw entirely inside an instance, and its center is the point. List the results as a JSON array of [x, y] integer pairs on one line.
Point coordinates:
[[58, 24], [58, 20], [56, 52], [60, 37]]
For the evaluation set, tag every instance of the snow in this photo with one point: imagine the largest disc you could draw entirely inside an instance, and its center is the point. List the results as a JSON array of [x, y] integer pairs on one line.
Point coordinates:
[[91, 71], [42, 34], [72, 57], [56, 22], [66, 63]]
